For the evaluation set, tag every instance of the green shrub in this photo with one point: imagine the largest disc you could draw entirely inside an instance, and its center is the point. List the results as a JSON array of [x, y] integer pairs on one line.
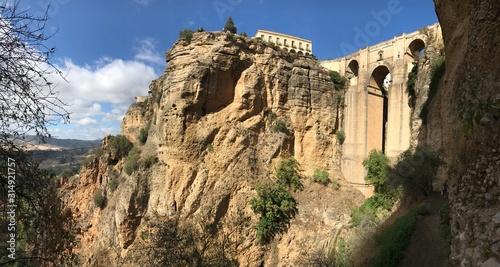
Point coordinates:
[[209, 147], [186, 35], [120, 146], [287, 173], [276, 207], [377, 165], [66, 173], [339, 81], [320, 176], [143, 135], [99, 199], [410, 84], [244, 34], [392, 242], [132, 162], [86, 161], [340, 134], [280, 127], [149, 161], [437, 70], [113, 183], [415, 171], [335, 183], [144, 235], [472, 110], [373, 209]]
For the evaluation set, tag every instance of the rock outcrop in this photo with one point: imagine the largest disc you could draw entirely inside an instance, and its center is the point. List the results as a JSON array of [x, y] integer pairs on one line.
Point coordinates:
[[470, 32], [213, 120]]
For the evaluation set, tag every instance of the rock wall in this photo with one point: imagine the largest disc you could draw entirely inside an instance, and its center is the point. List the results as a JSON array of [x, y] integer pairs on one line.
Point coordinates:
[[470, 32], [212, 116]]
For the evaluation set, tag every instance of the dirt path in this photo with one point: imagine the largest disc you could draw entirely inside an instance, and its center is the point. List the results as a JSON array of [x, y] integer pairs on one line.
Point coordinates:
[[427, 245]]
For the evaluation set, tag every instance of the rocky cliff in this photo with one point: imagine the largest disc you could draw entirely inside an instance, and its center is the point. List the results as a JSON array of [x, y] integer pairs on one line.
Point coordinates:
[[463, 120], [220, 118]]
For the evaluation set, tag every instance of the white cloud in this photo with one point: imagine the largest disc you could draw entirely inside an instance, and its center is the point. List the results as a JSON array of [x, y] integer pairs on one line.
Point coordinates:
[[86, 121], [99, 95], [147, 52]]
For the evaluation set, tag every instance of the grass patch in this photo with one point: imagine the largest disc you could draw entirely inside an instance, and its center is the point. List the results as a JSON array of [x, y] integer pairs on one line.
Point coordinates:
[[321, 176], [444, 225], [392, 242]]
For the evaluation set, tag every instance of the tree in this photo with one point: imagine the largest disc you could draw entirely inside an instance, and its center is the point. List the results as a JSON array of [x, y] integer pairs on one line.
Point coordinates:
[[338, 80], [376, 166], [229, 27], [186, 35], [29, 103]]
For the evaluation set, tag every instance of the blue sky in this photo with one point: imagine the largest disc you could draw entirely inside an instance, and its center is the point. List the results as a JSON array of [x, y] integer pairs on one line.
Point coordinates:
[[112, 49]]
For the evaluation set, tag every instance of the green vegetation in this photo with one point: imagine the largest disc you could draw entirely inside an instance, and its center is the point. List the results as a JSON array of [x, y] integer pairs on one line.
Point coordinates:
[[229, 27], [186, 35], [144, 235], [392, 242], [340, 134], [437, 70], [200, 29], [149, 161], [444, 224], [174, 244], [143, 135], [66, 173], [415, 171], [338, 80], [209, 147], [375, 208], [377, 165], [411, 83], [113, 182], [132, 162], [120, 146], [280, 127], [99, 199], [276, 207], [287, 173], [274, 203], [321, 176], [244, 34], [472, 110]]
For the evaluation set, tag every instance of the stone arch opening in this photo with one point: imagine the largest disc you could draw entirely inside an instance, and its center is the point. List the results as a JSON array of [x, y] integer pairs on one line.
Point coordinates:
[[353, 68], [416, 49], [300, 53], [377, 111], [292, 51]]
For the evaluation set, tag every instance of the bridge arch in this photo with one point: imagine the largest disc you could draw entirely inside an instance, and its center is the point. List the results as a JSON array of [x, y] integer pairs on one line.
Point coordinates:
[[353, 68], [377, 108], [415, 49]]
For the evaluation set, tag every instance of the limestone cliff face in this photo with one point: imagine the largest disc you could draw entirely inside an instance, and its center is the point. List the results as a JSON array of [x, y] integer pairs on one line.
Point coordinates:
[[470, 31], [211, 117]]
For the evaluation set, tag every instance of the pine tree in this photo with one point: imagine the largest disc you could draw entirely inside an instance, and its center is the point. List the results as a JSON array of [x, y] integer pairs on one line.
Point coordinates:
[[229, 27]]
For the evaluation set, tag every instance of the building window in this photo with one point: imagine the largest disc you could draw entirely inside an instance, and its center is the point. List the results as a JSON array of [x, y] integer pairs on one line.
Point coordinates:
[[293, 43], [269, 39], [284, 42], [307, 47], [300, 45], [277, 40], [262, 36]]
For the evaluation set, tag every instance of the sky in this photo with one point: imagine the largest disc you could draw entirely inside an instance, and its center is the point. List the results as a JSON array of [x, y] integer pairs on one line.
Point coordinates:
[[111, 50]]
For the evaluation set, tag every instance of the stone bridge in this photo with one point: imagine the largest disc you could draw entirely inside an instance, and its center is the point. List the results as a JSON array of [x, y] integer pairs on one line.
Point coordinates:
[[377, 114]]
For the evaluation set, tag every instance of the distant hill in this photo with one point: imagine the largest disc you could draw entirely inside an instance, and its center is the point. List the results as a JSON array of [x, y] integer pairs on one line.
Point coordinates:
[[35, 143]]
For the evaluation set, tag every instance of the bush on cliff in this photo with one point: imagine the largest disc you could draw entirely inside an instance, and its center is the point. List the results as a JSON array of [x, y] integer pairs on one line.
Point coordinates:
[[120, 146]]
